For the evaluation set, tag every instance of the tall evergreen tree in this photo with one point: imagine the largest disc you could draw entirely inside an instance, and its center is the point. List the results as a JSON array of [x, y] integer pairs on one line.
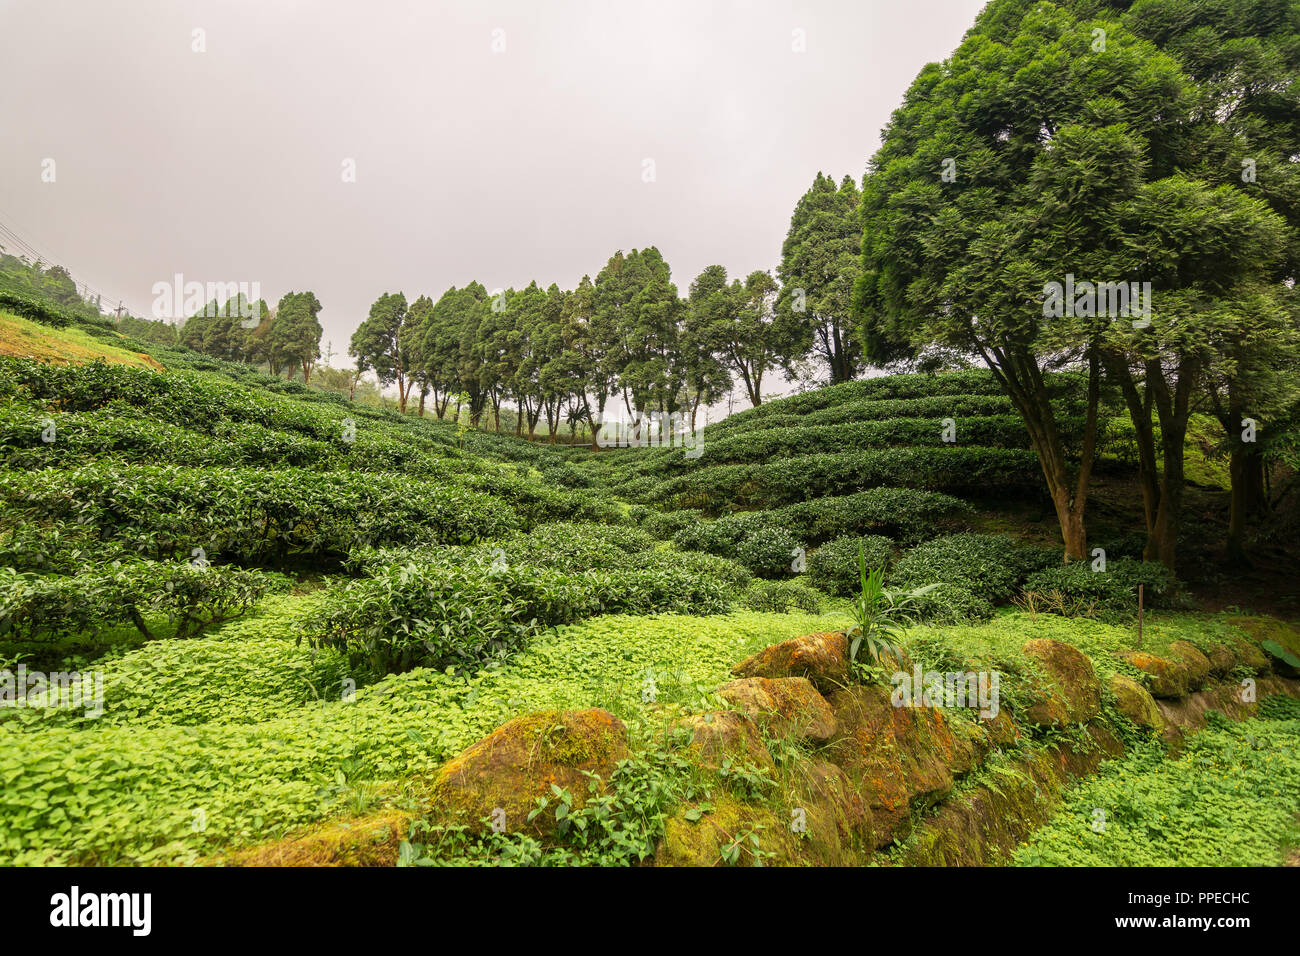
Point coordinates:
[[820, 261]]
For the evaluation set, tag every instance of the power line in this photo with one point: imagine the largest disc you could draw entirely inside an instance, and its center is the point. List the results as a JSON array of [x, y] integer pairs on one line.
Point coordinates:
[[31, 251]]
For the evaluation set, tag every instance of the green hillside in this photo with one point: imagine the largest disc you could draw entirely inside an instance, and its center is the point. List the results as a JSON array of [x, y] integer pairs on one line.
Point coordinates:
[[300, 607]]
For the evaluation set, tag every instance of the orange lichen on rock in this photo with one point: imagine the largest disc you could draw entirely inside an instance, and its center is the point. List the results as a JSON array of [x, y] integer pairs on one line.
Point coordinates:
[[784, 706], [897, 756], [1169, 679], [502, 776], [822, 658], [1075, 694], [726, 735]]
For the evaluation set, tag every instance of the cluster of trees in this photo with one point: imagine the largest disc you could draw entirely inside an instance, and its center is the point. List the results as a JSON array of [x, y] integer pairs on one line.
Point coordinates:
[[45, 283], [286, 338], [1158, 143], [627, 336]]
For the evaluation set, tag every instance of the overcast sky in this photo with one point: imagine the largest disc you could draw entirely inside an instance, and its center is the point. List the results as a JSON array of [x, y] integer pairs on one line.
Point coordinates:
[[501, 165]]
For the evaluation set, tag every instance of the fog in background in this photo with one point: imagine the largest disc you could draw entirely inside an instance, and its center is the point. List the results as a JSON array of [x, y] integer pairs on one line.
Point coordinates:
[[501, 165]]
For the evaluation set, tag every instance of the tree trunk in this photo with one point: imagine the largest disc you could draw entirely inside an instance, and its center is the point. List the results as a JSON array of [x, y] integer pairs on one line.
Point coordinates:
[[1022, 379], [1173, 410], [1139, 411]]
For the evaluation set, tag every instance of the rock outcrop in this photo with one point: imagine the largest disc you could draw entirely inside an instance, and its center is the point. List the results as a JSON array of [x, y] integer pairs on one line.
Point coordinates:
[[500, 778]]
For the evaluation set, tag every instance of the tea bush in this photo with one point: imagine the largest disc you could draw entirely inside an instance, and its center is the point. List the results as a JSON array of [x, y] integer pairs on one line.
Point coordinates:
[[833, 567], [952, 604], [45, 608], [461, 614], [988, 566], [780, 597], [1114, 589], [973, 382], [666, 524], [1000, 431], [755, 540], [811, 476], [253, 516], [904, 514]]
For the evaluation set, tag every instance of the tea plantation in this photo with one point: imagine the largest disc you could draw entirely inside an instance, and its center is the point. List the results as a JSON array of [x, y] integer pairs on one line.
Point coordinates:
[[297, 607]]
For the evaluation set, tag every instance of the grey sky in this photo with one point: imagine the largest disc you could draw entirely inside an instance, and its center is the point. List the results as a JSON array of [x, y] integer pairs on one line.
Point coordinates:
[[226, 165]]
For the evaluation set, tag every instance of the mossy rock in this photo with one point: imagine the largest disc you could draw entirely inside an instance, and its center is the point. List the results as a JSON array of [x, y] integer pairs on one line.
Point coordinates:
[[697, 836], [520, 761], [1222, 659], [1249, 654], [783, 706], [1169, 678], [825, 824], [838, 820], [1135, 703], [371, 840], [971, 744], [1075, 696], [1002, 730], [995, 817], [1190, 713], [1262, 628], [822, 658], [1194, 659], [991, 818], [726, 735], [898, 757]]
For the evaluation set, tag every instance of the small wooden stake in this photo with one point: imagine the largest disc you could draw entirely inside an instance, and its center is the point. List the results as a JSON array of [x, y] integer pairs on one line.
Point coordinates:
[[1140, 595]]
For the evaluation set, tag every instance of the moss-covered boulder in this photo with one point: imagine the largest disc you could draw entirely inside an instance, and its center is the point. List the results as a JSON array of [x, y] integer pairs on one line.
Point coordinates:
[[1135, 703], [1169, 678], [835, 815], [896, 756], [1277, 634], [822, 658], [1249, 654], [783, 706], [822, 822], [1194, 659], [1002, 730], [725, 735], [371, 840], [1222, 659], [501, 777], [725, 832], [1074, 695]]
